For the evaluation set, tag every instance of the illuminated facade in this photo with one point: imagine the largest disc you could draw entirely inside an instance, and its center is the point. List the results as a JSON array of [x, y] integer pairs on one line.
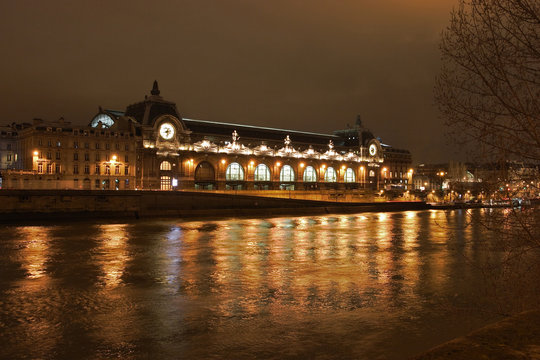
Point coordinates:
[[151, 146]]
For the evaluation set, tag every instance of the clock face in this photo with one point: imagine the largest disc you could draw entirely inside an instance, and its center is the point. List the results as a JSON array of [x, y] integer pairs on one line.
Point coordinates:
[[166, 131], [372, 149]]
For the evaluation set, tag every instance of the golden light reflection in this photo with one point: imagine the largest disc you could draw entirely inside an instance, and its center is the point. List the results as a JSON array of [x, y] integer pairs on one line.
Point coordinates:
[[36, 251], [114, 252]]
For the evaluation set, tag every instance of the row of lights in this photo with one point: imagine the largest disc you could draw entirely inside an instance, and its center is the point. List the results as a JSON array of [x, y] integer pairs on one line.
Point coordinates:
[[113, 159]]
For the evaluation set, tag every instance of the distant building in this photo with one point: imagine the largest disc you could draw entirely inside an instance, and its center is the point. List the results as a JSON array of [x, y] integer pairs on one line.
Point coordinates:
[[151, 146]]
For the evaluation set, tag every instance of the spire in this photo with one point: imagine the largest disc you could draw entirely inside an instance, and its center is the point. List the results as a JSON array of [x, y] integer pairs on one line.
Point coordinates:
[[358, 121], [155, 89]]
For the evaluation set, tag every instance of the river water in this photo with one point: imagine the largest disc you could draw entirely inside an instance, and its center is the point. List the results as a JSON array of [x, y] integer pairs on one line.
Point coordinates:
[[366, 286]]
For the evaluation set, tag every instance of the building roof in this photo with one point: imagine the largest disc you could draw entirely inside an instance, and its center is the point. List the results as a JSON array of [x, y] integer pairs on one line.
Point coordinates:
[[209, 128]]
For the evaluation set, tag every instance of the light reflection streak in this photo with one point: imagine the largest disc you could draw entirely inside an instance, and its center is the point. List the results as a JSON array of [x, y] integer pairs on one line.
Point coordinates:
[[113, 247], [36, 252]]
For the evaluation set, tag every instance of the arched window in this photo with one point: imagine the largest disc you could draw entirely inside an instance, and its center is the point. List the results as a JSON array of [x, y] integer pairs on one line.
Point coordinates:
[[165, 165], [286, 174], [330, 175], [262, 173], [204, 172], [371, 173], [310, 175], [234, 172], [349, 176]]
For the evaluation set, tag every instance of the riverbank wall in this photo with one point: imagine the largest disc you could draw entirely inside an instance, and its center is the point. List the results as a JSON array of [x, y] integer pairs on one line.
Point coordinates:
[[28, 205]]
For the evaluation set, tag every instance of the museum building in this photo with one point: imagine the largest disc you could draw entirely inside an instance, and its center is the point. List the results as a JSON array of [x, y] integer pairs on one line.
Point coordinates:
[[151, 146]]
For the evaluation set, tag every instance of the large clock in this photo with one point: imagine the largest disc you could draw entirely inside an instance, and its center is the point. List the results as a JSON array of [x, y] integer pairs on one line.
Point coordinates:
[[166, 131], [372, 149]]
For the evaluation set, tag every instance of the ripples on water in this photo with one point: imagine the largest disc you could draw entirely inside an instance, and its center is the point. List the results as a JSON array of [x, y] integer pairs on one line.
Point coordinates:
[[377, 285]]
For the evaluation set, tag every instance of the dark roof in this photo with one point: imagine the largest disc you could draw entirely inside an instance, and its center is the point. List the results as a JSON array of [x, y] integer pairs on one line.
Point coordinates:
[[210, 128], [157, 107]]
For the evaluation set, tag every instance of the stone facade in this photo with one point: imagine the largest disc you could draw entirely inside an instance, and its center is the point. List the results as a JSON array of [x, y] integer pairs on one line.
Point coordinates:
[[151, 146]]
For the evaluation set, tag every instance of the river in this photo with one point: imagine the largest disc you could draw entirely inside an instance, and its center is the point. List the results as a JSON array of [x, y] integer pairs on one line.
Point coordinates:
[[363, 286]]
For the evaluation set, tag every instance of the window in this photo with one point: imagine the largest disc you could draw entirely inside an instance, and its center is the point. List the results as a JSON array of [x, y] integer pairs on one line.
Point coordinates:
[[330, 175], [98, 169], [8, 147], [107, 157], [49, 155], [166, 183], [97, 184], [107, 146], [126, 158], [126, 170], [8, 158], [49, 142], [40, 142], [97, 145], [86, 145], [126, 147], [86, 157], [58, 155], [310, 175], [40, 168], [286, 174], [349, 175], [126, 183], [107, 170], [165, 165], [57, 169], [371, 173], [75, 169], [234, 172], [75, 156], [87, 169], [98, 158], [117, 170], [117, 146], [262, 173], [58, 143], [75, 144]]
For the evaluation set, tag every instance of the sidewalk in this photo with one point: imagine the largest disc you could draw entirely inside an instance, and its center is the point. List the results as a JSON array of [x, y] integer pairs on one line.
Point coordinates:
[[517, 337]]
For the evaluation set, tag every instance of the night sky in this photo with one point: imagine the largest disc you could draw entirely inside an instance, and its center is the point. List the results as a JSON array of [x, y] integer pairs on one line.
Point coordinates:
[[305, 65]]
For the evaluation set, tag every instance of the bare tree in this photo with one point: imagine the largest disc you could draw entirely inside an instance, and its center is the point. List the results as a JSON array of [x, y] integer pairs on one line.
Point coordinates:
[[488, 92], [489, 87]]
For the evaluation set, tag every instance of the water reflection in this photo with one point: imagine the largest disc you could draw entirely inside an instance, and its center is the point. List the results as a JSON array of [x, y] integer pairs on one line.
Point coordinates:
[[273, 287]]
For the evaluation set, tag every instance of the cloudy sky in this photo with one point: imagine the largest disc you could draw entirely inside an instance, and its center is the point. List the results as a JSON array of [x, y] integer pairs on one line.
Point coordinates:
[[301, 64]]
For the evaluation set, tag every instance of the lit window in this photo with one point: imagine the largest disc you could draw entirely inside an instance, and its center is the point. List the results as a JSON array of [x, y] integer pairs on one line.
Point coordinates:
[[330, 175], [262, 173], [349, 176], [165, 165], [310, 175], [105, 120], [286, 174], [117, 170], [166, 183], [234, 172], [371, 173]]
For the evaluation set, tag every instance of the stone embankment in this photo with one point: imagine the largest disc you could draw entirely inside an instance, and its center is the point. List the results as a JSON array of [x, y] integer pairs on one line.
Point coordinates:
[[517, 337], [27, 205]]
